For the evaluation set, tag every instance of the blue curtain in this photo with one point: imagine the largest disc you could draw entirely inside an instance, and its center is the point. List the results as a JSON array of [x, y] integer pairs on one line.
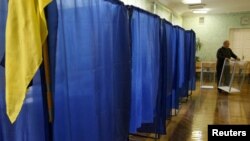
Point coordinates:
[[168, 40], [92, 71], [190, 45], [186, 65], [145, 34], [52, 22], [175, 94], [166, 80], [31, 124], [3, 14], [185, 68], [181, 63]]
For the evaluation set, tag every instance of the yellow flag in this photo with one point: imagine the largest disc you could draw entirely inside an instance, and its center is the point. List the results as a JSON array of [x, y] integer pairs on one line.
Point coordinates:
[[26, 32]]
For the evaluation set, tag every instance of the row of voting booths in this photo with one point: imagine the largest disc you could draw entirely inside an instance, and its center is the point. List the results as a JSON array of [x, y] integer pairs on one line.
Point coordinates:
[[116, 70]]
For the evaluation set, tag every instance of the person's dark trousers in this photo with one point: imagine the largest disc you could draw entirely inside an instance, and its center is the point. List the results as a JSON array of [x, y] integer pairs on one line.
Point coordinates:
[[227, 75]]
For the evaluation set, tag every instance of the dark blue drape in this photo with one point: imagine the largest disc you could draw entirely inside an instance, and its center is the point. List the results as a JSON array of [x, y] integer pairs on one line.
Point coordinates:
[[181, 88], [190, 45], [189, 61], [30, 124], [181, 62], [92, 71], [145, 34], [166, 80], [3, 14], [175, 94], [52, 23], [169, 39], [185, 65]]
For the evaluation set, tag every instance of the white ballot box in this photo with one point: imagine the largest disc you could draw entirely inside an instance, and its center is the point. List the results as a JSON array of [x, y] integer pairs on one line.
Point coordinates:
[[207, 77], [232, 76]]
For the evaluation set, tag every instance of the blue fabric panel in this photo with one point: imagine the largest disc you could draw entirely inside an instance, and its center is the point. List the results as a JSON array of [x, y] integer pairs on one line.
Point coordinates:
[[186, 65], [145, 34], [169, 107], [181, 66], [3, 16], [168, 39], [30, 124], [159, 124], [188, 49], [52, 23], [189, 83], [181, 58], [92, 71], [191, 43], [175, 95]]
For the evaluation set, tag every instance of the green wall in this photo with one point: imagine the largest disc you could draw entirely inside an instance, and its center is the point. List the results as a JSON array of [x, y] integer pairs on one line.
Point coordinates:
[[213, 31]]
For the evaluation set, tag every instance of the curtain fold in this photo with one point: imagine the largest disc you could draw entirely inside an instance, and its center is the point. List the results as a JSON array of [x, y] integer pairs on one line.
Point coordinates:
[[145, 38], [181, 62], [3, 18], [52, 23], [3, 15], [92, 71], [30, 124], [175, 94], [168, 39], [190, 43]]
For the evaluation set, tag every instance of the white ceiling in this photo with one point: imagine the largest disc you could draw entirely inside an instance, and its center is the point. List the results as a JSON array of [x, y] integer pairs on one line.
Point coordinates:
[[215, 6]]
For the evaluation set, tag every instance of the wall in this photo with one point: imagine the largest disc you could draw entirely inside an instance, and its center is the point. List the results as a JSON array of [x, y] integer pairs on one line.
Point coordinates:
[[213, 31], [157, 9], [143, 4]]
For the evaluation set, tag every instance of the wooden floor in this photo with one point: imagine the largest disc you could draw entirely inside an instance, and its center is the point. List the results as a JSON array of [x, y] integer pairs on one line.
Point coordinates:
[[205, 107]]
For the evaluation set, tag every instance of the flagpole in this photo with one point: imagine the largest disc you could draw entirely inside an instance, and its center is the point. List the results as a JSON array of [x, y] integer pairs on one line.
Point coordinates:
[[48, 82]]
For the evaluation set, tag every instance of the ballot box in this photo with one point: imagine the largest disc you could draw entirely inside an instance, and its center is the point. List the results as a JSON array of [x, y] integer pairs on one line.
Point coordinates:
[[207, 76], [233, 75]]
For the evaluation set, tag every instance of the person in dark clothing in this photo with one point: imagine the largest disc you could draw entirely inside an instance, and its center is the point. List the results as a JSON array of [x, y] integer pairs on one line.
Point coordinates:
[[223, 53]]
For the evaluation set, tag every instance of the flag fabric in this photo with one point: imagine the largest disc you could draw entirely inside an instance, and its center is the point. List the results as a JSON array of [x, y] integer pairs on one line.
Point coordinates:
[[26, 33]]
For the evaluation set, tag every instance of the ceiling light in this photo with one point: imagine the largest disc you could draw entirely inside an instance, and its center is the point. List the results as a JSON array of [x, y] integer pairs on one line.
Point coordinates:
[[191, 1], [200, 11], [196, 6]]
